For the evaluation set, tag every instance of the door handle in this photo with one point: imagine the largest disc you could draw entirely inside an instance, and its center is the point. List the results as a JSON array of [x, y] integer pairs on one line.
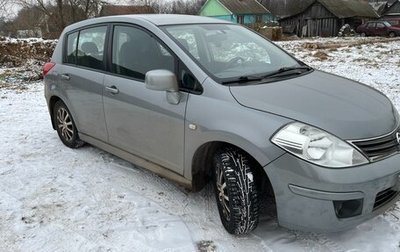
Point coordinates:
[[112, 90], [65, 77]]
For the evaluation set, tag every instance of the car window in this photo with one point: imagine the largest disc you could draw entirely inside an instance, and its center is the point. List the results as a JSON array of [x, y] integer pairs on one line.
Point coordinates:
[[231, 47], [135, 52], [72, 40], [380, 25], [371, 25], [230, 51], [187, 40], [91, 47]]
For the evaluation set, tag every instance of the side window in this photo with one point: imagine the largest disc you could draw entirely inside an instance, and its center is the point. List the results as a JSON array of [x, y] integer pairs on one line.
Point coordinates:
[[371, 25], [187, 81], [72, 40], [380, 25], [135, 52], [91, 47]]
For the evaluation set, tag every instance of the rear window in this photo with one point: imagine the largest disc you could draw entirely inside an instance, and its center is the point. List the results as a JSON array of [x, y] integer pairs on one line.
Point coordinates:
[[72, 41], [86, 47]]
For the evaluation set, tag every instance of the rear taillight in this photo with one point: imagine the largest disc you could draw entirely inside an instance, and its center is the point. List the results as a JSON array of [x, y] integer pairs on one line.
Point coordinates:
[[47, 67]]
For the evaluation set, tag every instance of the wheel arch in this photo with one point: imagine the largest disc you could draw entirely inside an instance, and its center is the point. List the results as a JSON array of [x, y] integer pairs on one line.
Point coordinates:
[[52, 102], [202, 164]]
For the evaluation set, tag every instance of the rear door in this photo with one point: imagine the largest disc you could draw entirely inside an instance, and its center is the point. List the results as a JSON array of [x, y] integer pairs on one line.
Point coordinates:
[[139, 120], [82, 76]]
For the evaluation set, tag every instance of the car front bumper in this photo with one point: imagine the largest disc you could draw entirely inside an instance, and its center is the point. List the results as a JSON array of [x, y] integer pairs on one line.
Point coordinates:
[[314, 198]]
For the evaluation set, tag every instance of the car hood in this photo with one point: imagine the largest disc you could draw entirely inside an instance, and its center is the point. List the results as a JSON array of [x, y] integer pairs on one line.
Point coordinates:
[[345, 108]]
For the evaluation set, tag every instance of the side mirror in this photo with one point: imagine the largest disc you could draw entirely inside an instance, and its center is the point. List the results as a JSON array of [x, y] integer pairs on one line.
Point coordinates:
[[163, 80]]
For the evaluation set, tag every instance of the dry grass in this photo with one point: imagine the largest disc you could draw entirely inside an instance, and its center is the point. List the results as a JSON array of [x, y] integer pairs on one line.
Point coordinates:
[[358, 43]]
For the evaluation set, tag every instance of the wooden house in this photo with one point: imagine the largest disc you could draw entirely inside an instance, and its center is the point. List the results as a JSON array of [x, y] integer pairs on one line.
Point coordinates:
[[238, 11], [392, 14], [325, 17], [393, 11], [380, 6]]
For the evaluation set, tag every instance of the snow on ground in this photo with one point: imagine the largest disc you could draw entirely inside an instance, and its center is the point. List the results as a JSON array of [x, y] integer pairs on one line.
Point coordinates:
[[57, 199]]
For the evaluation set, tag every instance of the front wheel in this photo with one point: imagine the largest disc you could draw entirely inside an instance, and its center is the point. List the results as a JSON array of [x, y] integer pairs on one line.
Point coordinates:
[[235, 191], [392, 34], [65, 126]]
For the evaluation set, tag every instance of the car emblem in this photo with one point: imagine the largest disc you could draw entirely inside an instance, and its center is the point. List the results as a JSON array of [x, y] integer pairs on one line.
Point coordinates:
[[398, 137]]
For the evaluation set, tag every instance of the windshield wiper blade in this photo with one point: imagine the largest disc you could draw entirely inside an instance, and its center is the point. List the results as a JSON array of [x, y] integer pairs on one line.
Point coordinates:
[[243, 79], [284, 70]]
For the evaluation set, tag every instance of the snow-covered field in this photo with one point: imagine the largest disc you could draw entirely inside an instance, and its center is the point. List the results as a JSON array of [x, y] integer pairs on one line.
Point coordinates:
[[56, 199]]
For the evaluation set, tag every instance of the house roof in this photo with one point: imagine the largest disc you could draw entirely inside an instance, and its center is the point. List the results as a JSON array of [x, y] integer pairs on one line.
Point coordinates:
[[389, 2], [380, 6], [286, 8], [340, 8], [349, 8], [110, 10], [391, 11], [244, 6]]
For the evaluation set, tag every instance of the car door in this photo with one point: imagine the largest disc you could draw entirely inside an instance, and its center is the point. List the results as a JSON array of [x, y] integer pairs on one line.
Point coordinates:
[[380, 29], [82, 76], [370, 29], [139, 120]]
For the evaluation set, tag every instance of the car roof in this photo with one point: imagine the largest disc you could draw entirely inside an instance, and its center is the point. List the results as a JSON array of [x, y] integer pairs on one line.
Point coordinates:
[[170, 19], [155, 19]]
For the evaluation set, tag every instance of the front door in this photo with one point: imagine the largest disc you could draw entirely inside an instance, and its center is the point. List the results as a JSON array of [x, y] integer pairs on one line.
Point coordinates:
[[380, 29], [139, 120], [370, 29]]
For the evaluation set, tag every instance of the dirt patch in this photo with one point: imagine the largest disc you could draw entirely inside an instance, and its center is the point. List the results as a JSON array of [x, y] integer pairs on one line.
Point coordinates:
[[335, 45], [21, 61], [321, 55], [206, 246], [15, 53]]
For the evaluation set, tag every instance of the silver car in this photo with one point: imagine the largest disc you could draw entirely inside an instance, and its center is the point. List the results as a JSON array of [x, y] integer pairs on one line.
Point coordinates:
[[197, 99]]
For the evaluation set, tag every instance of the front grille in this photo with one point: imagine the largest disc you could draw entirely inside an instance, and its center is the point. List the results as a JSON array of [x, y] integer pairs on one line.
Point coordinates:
[[379, 147], [383, 197]]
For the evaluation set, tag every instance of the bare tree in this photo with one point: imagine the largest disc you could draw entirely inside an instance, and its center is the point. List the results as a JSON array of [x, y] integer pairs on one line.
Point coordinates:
[[7, 8], [61, 13], [191, 7]]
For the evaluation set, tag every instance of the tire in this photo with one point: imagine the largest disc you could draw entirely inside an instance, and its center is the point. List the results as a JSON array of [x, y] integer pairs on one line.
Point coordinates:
[[65, 126], [392, 34], [235, 191], [363, 34]]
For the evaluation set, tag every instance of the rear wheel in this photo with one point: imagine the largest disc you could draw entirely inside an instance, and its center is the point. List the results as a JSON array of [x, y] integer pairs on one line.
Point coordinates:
[[235, 191], [392, 34], [65, 126], [363, 34]]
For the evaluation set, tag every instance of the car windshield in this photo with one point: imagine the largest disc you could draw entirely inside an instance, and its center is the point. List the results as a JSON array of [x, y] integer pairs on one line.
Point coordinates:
[[230, 52]]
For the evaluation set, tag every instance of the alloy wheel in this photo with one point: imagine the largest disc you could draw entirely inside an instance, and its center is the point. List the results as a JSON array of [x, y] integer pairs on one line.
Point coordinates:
[[64, 123]]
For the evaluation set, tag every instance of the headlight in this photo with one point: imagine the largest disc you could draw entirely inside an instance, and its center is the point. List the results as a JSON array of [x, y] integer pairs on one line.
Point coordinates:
[[317, 146]]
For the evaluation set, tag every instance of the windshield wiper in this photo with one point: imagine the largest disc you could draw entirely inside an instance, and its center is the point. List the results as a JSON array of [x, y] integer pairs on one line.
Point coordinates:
[[243, 79], [279, 72], [285, 70]]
